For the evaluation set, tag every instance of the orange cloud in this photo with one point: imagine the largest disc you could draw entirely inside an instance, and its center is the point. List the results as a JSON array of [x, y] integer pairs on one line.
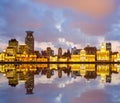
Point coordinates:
[[93, 8]]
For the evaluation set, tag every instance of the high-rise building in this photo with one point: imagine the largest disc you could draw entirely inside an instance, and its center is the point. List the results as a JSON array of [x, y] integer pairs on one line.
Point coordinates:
[[13, 43], [29, 41], [60, 52], [108, 47], [49, 51], [29, 83]]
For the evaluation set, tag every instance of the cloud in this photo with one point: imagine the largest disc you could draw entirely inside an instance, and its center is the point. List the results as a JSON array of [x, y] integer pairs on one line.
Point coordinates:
[[93, 96], [61, 20], [94, 8], [58, 98]]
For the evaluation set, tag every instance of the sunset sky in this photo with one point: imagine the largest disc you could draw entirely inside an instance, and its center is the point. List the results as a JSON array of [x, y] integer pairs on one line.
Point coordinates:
[[61, 23]]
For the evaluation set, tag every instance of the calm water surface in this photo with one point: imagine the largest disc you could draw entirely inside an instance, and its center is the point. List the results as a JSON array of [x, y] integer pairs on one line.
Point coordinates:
[[60, 83]]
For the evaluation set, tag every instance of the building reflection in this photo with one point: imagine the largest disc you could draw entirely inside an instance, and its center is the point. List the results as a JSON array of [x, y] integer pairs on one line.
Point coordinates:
[[26, 72]]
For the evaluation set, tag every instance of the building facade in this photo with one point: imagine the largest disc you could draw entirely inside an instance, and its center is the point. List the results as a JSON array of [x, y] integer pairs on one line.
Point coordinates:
[[13, 43], [29, 41], [103, 54]]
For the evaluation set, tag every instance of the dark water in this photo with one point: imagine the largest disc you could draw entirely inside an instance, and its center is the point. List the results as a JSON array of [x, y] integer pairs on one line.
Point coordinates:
[[60, 83]]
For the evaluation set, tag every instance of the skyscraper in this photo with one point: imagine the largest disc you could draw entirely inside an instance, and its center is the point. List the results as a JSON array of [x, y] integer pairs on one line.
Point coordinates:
[[29, 83], [108, 47], [29, 41]]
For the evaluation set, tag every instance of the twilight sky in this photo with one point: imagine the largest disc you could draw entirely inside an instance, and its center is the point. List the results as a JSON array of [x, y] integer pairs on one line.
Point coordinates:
[[61, 23]]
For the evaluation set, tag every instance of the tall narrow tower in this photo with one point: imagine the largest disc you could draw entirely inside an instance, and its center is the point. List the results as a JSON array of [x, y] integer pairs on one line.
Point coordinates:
[[29, 41], [60, 52]]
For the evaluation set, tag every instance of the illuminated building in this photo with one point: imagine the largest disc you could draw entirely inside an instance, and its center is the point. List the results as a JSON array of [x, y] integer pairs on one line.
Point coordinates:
[[59, 52], [63, 65], [62, 59], [49, 52], [44, 53], [90, 71], [10, 51], [13, 43], [29, 41], [103, 71], [75, 70], [103, 54], [67, 54], [29, 83], [37, 53], [2, 70], [26, 57], [42, 59], [108, 47], [11, 75], [86, 57], [116, 57], [42, 66], [53, 59], [2, 56], [116, 68], [90, 50], [82, 55], [90, 58], [74, 58], [22, 49], [75, 51], [25, 68], [10, 54], [53, 66]]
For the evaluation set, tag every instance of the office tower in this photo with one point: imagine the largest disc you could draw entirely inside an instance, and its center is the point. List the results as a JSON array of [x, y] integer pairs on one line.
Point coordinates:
[[108, 47], [13, 43], [29, 41], [60, 52], [29, 83]]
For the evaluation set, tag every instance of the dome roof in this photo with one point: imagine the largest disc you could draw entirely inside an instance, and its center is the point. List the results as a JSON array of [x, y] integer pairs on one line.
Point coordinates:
[[82, 51]]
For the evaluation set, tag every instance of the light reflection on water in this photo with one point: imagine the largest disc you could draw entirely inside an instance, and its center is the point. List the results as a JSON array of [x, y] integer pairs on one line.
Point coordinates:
[[60, 83], [57, 73]]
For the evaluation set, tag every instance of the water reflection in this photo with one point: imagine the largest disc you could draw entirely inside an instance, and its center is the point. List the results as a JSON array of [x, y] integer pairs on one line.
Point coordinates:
[[26, 72]]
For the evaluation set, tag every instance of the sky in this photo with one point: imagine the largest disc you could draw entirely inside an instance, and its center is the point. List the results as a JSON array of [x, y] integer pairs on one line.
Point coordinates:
[[61, 23]]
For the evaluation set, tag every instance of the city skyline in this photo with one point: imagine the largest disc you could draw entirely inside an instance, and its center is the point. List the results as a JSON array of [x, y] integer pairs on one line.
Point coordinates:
[[61, 24], [30, 34], [60, 51]]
